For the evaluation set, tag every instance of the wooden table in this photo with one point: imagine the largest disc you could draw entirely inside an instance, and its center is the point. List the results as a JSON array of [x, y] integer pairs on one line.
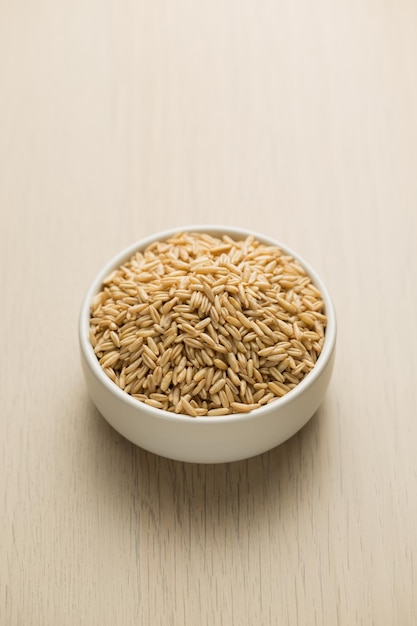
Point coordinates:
[[295, 119]]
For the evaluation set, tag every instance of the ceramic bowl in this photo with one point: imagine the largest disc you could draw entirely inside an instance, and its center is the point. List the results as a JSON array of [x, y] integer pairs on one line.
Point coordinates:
[[206, 439]]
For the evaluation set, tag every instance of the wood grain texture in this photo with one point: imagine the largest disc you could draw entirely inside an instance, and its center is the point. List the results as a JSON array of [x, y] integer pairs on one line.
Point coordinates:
[[296, 119]]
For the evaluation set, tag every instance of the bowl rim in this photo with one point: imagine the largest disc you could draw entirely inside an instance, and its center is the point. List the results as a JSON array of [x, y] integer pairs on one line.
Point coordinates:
[[212, 229]]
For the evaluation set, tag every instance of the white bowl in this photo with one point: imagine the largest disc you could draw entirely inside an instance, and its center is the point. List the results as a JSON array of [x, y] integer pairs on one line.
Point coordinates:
[[206, 439]]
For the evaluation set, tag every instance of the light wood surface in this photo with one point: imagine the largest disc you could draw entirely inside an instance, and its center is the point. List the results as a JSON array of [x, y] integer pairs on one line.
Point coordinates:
[[296, 119]]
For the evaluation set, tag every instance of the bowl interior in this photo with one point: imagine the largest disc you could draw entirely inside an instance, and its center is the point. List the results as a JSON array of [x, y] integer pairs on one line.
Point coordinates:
[[124, 255]]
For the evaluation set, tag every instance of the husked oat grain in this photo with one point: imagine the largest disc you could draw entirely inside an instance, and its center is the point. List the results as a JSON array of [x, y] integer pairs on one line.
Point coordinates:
[[205, 325]]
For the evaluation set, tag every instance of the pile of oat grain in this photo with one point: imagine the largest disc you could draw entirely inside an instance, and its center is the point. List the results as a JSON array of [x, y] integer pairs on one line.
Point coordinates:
[[202, 325]]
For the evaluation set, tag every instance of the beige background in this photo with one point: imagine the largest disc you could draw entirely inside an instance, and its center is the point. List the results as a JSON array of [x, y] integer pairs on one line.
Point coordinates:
[[296, 119]]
